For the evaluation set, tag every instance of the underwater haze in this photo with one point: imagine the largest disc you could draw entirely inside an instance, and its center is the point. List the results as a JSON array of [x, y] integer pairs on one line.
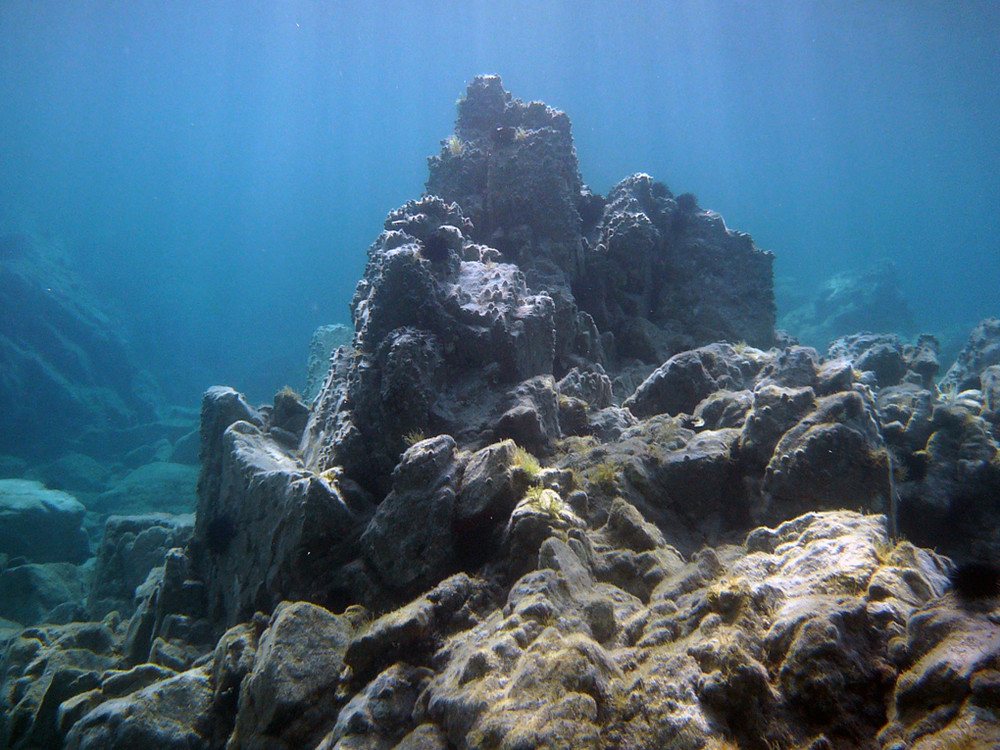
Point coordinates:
[[217, 170], [671, 416]]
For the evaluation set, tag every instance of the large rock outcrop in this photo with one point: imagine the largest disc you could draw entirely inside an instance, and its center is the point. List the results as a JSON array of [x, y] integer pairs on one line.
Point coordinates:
[[265, 524], [517, 516]]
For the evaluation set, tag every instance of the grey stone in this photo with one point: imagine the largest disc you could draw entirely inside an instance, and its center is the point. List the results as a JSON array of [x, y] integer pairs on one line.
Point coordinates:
[[532, 418], [29, 593], [130, 548], [880, 354], [382, 712], [491, 485], [775, 411], [290, 696], [173, 713], [41, 525], [684, 380], [266, 527], [409, 541], [664, 276]]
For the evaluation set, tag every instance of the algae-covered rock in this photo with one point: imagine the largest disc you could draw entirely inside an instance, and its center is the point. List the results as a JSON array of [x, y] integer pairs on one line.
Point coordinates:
[[834, 457], [45, 666], [173, 713], [290, 695], [947, 693]]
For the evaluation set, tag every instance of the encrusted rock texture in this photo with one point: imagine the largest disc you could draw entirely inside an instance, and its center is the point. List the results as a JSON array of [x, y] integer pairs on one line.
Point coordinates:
[[566, 487]]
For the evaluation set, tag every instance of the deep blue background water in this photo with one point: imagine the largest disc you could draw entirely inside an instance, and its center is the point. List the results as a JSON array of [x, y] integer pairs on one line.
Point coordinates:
[[218, 169]]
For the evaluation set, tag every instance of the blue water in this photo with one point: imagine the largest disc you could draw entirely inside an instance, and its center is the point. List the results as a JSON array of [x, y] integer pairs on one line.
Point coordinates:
[[218, 169]]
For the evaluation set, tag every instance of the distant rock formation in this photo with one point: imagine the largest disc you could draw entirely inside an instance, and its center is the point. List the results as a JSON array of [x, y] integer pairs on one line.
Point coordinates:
[[325, 341], [863, 299], [65, 358]]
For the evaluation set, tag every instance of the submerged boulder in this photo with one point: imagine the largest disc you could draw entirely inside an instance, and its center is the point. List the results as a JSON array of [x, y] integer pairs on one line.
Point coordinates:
[[41, 525], [409, 541], [270, 527], [130, 548], [35, 593]]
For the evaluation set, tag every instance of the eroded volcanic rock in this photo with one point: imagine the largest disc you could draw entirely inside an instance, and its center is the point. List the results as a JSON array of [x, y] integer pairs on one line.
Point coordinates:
[[554, 495]]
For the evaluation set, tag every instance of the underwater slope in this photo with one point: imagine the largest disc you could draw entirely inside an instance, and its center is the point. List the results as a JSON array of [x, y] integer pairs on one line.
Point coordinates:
[[561, 491]]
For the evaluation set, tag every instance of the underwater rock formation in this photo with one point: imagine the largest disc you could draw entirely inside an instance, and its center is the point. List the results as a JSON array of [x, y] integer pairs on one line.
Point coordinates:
[[980, 352], [39, 524], [325, 341], [540, 502], [130, 548], [654, 272], [863, 299], [61, 351], [665, 276]]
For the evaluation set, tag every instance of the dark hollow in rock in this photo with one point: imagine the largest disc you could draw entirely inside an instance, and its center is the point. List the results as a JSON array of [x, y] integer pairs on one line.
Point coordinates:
[[975, 580]]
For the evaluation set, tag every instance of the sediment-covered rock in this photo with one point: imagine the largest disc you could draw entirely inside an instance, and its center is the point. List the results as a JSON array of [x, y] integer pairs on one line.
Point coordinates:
[[44, 667], [175, 712], [41, 525], [290, 695], [948, 691]]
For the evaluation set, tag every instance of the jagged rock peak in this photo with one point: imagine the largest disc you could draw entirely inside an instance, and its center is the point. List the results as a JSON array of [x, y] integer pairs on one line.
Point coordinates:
[[512, 168]]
